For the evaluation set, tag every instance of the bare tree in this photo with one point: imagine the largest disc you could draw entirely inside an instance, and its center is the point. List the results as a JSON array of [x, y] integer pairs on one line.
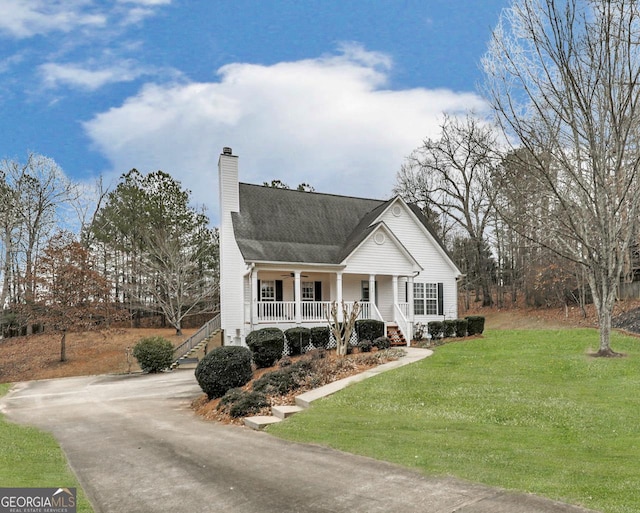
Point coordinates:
[[342, 329], [451, 176], [176, 279], [564, 79]]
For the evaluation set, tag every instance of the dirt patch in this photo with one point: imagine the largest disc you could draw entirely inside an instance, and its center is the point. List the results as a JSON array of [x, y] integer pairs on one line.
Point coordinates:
[[89, 353]]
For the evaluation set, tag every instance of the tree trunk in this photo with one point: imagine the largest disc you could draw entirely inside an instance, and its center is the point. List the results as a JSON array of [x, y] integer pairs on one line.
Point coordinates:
[[604, 297], [63, 347]]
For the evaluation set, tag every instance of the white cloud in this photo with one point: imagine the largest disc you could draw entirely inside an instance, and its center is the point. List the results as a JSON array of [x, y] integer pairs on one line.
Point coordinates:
[[92, 76], [26, 18], [328, 122]]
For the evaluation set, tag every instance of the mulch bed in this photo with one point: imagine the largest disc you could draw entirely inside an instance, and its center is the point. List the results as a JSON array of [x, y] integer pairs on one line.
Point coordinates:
[[333, 368]]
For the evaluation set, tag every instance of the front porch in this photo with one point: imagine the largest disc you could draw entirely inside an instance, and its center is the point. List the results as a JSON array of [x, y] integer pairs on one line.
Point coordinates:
[[285, 298]]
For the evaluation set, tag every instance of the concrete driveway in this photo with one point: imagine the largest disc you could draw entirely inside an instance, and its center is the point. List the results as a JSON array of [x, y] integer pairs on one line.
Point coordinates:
[[136, 447]]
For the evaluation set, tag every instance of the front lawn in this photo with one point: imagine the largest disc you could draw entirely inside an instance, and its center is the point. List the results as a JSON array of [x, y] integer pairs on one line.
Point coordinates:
[[524, 410], [30, 458]]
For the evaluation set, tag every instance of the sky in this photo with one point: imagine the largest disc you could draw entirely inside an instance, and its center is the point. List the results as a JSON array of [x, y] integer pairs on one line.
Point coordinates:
[[333, 93]]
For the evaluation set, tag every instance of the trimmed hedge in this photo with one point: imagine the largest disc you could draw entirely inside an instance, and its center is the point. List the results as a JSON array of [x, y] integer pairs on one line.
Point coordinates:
[[298, 339], [448, 328], [435, 329], [475, 325], [369, 329], [266, 345], [222, 369], [461, 327], [320, 337], [154, 354]]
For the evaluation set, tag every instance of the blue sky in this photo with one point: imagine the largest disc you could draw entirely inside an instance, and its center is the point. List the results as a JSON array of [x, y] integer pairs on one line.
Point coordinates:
[[334, 93]]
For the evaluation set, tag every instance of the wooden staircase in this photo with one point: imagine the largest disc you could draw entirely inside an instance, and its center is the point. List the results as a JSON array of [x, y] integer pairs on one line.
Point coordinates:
[[191, 351], [395, 335]]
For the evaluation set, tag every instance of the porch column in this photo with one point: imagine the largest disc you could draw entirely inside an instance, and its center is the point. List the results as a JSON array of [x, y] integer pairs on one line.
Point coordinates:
[[394, 282], [410, 297], [339, 294], [298, 294], [254, 298], [372, 289]]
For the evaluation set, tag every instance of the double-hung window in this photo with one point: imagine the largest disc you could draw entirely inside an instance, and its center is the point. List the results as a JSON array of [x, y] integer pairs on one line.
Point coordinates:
[[427, 298], [267, 290], [308, 291]]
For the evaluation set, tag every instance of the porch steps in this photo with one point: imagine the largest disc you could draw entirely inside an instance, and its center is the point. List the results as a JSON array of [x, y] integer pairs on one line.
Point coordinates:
[[395, 336], [303, 401]]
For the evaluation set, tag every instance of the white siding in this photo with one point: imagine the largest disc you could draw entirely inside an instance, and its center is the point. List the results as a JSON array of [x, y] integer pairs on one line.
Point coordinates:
[[379, 254], [436, 266]]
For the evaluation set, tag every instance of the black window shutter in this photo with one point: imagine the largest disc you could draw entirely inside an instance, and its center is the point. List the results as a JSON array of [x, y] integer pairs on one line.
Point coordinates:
[[440, 299], [318, 291], [259, 292], [278, 290]]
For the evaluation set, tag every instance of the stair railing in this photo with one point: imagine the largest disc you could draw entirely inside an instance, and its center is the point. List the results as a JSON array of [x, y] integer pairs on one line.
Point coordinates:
[[403, 324], [204, 332]]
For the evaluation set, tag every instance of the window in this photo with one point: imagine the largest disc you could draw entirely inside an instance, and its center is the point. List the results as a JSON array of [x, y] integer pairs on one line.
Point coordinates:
[[365, 295], [267, 290], [308, 291], [426, 300]]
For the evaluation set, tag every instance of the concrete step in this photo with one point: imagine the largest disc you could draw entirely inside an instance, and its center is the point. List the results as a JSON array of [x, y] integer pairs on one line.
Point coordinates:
[[260, 421], [283, 412]]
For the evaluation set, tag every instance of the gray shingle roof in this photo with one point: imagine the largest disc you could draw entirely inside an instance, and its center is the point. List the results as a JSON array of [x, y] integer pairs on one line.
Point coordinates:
[[282, 225]]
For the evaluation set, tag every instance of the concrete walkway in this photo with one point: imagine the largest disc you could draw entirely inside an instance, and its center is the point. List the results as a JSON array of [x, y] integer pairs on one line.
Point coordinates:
[[136, 447]]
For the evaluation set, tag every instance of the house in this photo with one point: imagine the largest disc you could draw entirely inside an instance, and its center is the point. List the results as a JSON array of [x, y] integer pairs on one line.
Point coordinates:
[[285, 255]]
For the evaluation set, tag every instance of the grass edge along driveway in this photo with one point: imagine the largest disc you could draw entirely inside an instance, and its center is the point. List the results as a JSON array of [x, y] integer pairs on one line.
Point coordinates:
[[523, 410], [30, 458]]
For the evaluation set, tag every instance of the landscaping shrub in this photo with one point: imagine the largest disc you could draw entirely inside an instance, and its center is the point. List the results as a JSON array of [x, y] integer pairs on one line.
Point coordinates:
[[230, 397], [382, 343], [248, 404], [154, 354], [298, 339], [435, 329], [284, 380], [266, 345], [448, 328], [278, 382], [365, 346], [475, 324], [369, 329], [320, 337], [419, 331], [461, 327], [222, 369], [240, 403]]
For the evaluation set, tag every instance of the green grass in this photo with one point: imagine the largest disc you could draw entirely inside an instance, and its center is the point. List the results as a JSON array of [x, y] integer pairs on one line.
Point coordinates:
[[30, 458], [523, 410]]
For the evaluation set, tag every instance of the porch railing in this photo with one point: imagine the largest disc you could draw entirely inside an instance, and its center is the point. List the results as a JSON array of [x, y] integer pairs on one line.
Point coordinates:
[[367, 310], [311, 311], [403, 324], [274, 311]]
